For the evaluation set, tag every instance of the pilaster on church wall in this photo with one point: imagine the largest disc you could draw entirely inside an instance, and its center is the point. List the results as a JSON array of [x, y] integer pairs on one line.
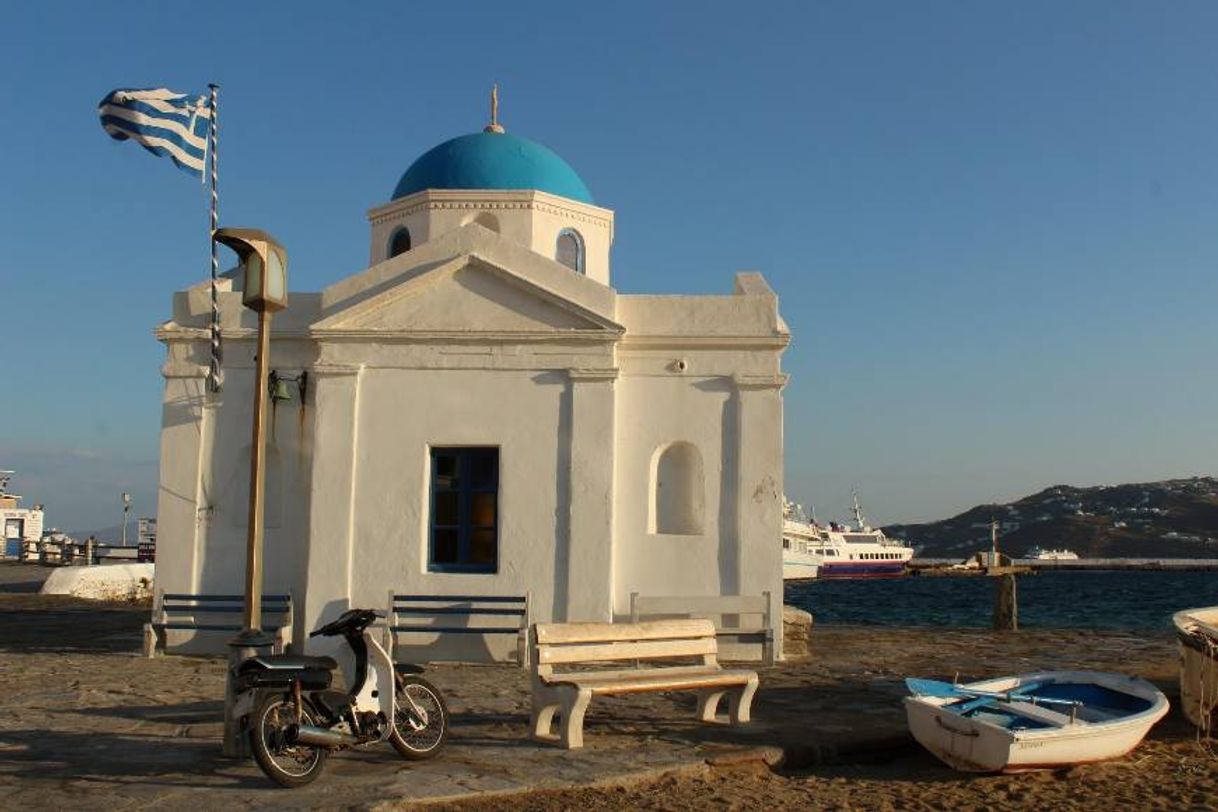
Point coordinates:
[[185, 430], [760, 427]]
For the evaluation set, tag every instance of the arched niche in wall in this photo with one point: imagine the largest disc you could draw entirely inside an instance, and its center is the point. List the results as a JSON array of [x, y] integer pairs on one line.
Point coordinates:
[[678, 491]]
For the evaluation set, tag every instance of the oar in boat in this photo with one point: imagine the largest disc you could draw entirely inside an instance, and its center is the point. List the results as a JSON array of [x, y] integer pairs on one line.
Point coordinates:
[[946, 690]]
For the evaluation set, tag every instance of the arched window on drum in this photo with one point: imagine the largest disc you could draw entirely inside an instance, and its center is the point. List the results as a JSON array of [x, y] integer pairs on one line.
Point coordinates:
[[569, 249], [399, 243]]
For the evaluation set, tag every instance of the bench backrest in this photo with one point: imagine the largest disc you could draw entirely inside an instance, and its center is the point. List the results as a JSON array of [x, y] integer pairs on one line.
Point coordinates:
[[711, 606], [217, 613], [591, 644], [459, 614], [738, 619], [175, 605]]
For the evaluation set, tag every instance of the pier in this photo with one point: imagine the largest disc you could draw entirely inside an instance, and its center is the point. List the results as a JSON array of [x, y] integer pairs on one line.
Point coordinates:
[[1173, 564]]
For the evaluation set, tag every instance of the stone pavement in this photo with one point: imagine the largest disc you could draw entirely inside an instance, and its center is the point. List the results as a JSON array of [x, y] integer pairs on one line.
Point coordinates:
[[91, 724]]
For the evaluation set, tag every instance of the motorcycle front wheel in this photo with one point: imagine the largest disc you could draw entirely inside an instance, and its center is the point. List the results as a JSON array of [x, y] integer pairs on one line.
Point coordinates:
[[420, 721], [287, 765]]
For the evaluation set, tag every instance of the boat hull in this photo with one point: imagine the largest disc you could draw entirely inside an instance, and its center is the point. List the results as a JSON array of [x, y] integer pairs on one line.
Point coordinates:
[[862, 569], [1198, 666], [799, 570], [973, 745]]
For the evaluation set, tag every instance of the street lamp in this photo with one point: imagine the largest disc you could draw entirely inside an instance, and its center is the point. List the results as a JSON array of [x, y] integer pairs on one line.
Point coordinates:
[[126, 510], [264, 267]]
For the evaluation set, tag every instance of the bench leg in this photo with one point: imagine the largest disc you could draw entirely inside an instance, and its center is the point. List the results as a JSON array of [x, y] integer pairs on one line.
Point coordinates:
[[542, 722], [741, 703], [155, 641], [708, 704], [573, 719]]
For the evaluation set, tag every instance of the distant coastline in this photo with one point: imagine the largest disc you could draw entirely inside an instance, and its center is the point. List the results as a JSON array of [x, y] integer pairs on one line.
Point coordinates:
[[1175, 518]]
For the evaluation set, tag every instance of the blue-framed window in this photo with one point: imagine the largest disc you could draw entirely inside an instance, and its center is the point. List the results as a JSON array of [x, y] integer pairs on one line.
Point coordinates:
[[399, 243], [569, 249], [464, 522]]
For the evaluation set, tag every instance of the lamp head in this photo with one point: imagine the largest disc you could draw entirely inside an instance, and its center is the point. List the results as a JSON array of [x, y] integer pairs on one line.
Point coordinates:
[[264, 265]]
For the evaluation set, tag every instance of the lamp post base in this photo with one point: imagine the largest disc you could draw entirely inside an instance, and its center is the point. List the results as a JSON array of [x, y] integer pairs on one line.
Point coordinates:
[[245, 645]]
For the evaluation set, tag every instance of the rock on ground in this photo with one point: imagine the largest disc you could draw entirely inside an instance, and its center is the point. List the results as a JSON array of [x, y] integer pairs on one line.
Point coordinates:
[[796, 633], [108, 582]]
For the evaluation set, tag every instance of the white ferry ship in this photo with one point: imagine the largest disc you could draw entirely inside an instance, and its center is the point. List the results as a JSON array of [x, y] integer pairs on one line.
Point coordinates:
[[840, 551], [1037, 554], [800, 538]]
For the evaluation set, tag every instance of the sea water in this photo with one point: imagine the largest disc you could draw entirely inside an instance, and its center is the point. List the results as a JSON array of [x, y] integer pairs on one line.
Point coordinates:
[[1127, 600]]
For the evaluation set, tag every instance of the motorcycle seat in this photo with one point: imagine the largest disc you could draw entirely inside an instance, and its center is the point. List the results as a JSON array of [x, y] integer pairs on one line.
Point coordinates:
[[292, 662]]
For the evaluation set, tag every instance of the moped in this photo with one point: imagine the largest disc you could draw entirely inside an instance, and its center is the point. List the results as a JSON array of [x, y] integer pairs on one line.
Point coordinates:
[[295, 721]]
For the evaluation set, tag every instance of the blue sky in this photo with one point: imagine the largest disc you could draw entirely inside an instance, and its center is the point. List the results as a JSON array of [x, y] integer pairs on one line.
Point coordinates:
[[993, 228]]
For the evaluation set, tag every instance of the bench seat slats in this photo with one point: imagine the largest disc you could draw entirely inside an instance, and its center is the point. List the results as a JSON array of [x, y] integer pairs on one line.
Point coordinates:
[[661, 681], [627, 650], [560, 633], [609, 675]]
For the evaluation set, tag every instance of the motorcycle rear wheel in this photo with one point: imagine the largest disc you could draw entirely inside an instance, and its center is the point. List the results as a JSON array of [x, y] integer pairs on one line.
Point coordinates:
[[286, 765], [418, 737]]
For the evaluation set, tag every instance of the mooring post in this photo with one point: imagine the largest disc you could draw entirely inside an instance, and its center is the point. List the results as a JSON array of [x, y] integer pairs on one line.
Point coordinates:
[[1006, 608]]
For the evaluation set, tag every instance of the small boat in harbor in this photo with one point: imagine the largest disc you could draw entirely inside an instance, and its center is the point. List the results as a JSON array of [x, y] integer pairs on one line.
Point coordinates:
[[1197, 634], [1044, 720], [1038, 554]]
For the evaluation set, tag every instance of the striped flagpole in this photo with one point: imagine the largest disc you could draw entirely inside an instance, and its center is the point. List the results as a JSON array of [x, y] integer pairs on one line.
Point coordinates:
[[215, 374]]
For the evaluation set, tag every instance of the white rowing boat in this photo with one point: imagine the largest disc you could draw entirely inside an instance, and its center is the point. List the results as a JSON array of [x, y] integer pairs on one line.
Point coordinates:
[[1044, 720], [1197, 633]]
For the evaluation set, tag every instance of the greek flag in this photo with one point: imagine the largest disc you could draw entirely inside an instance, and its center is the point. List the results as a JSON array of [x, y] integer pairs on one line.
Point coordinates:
[[162, 122]]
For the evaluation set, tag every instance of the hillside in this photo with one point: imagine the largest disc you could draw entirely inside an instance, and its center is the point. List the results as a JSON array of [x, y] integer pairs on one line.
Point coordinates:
[[1177, 518]]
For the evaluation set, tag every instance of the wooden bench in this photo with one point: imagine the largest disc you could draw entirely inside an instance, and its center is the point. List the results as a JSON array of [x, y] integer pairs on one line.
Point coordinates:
[[565, 674], [214, 613], [456, 614], [741, 621]]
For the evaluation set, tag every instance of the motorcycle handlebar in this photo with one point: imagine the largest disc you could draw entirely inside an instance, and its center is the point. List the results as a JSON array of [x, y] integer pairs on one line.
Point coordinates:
[[335, 627]]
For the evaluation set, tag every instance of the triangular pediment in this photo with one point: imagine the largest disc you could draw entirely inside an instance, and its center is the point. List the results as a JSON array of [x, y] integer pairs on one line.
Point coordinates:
[[467, 295]]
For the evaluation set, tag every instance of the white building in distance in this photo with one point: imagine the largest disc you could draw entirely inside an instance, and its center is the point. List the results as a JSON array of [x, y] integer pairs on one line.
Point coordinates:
[[22, 526], [483, 414]]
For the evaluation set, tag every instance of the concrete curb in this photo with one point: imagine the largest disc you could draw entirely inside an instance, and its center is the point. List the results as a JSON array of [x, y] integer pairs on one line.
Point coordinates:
[[625, 780], [863, 751]]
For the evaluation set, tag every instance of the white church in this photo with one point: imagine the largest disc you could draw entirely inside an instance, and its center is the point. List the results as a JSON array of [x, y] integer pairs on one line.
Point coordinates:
[[480, 412]]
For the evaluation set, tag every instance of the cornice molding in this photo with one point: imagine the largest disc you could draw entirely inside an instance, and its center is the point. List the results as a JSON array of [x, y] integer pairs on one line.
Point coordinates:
[[441, 200], [334, 370], [183, 370], [593, 375], [187, 335], [760, 382], [774, 341]]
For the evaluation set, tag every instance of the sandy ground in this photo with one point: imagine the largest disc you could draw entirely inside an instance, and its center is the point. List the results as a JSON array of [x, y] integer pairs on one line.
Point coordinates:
[[1158, 776], [92, 725]]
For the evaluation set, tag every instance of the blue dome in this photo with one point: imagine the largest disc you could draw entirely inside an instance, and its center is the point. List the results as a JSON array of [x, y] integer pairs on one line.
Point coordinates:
[[489, 160]]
